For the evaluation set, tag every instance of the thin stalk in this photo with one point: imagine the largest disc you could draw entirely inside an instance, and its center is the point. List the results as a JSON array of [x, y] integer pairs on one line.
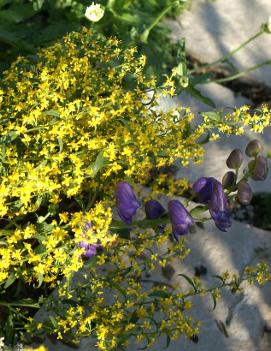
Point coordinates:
[[240, 74], [144, 36], [231, 53]]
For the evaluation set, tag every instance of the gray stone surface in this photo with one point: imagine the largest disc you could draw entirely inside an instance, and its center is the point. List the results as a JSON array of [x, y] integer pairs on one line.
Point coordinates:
[[213, 28]]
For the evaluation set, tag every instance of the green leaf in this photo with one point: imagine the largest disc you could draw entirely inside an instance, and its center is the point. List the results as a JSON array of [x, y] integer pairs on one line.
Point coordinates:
[[213, 116], [168, 341], [214, 300], [40, 280], [97, 165], [198, 210], [60, 143], [160, 293], [53, 113], [11, 279], [190, 281], [37, 4], [198, 95], [53, 321]]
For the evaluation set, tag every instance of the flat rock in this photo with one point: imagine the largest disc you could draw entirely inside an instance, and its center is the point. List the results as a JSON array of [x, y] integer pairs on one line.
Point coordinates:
[[213, 28]]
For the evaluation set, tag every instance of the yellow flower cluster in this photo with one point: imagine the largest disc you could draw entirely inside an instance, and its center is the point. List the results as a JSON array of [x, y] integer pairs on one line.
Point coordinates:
[[42, 252], [74, 120]]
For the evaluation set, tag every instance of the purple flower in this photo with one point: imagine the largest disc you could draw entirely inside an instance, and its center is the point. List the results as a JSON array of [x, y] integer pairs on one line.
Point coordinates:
[[90, 249], [127, 203], [218, 207], [154, 209], [203, 187], [180, 218]]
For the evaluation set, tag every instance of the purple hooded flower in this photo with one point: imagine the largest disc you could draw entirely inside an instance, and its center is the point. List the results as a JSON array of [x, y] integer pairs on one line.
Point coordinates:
[[180, 218], [218, 207], [90, 249], [154, 209], [127, 203], [203, 187]]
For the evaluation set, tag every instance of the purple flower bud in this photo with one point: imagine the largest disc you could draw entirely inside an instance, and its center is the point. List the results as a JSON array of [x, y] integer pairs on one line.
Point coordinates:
[[254, 147], [180, 218], [244, 193], [127, 203], [228, 180], [203, 187], [260, 170], [154, 209], [235, 159], [219, 208]]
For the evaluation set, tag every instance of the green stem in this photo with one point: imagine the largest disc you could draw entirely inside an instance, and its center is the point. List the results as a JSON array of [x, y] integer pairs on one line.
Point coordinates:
[[144, 36], [240, 74], [7, 304], [231, 53]]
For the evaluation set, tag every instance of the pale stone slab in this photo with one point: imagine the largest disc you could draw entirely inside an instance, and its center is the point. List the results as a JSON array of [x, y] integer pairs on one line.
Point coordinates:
[[214, 28]]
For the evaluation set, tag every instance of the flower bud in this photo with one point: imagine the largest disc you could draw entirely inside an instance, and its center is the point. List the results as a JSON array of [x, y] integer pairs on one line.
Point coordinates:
[[235, 159], [260, 170], [219, 208], [127, 203], [254, 147], [244, 193], [154, 209], [228, 180], [180, 218]]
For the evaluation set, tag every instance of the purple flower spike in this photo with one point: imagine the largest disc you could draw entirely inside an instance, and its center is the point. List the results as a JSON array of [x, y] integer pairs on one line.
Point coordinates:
[[154, 209], [219, 208], [180, 218], [90, 249], [127, 203], [203, 187]]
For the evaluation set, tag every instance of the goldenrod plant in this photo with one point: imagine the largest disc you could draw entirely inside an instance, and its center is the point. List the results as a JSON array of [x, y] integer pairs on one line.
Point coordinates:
[[79, 119]]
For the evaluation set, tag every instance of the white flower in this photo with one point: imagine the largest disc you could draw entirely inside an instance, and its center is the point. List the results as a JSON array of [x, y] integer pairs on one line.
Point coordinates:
[[269, 24], [94, 12], [2, 343]]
